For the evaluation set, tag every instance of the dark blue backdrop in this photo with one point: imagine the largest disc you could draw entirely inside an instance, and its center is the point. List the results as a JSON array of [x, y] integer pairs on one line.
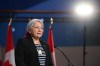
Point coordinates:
[[66, 33]]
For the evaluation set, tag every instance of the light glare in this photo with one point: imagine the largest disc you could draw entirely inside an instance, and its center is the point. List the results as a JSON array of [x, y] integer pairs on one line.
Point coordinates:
[[84, 9]]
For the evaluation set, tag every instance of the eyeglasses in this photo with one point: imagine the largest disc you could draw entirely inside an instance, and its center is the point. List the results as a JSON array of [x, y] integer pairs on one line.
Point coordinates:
[[39, 28]]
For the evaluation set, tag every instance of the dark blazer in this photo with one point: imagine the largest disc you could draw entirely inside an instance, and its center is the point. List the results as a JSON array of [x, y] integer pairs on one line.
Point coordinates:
[[26, 53]]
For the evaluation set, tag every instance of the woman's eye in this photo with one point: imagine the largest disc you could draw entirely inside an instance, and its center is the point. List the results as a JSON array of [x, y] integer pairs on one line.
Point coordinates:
[[42, 28], [39, 27], [36, 27]]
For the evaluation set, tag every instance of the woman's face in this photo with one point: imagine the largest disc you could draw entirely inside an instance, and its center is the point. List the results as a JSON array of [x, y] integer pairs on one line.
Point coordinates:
[[36, 30]]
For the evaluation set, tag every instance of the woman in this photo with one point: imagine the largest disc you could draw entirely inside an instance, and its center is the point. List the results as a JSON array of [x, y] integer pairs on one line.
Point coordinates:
[[31, 50]]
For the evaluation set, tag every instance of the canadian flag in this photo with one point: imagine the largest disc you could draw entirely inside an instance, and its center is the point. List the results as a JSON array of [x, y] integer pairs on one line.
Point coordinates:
[[51, 45], [9, 49], [0, 56]]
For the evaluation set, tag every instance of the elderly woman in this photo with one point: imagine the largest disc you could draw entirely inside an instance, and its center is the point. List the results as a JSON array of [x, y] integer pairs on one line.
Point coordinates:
[[31, 50]]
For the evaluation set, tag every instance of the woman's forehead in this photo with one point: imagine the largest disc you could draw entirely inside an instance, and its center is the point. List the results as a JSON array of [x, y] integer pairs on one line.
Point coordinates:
[[38, 23]]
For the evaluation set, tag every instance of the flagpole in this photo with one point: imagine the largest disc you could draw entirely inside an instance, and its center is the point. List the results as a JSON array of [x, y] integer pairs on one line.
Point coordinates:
[[53, 53], [10, 21], [51, 22], [29, 19]]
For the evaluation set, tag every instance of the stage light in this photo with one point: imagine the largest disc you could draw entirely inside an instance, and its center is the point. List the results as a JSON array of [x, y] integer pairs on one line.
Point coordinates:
[[84, 9]]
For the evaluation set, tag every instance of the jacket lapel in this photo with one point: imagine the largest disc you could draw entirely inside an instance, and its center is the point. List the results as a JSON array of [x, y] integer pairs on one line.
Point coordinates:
[[33, 47]]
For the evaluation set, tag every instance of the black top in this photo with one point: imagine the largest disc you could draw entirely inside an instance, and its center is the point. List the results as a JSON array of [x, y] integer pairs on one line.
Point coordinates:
[[26, 53]]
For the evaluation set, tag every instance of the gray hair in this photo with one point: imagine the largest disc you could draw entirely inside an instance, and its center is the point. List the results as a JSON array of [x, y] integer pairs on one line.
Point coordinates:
[[31, 23]]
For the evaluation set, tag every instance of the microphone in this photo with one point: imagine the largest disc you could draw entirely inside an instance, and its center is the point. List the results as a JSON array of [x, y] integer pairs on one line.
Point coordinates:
[[69, 62]]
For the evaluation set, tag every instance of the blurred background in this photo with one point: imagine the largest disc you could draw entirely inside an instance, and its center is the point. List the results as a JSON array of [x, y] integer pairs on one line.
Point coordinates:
[[72, 30]]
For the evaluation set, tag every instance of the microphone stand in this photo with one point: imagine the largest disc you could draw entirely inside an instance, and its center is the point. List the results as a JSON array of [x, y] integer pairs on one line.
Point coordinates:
[[69, 62]]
